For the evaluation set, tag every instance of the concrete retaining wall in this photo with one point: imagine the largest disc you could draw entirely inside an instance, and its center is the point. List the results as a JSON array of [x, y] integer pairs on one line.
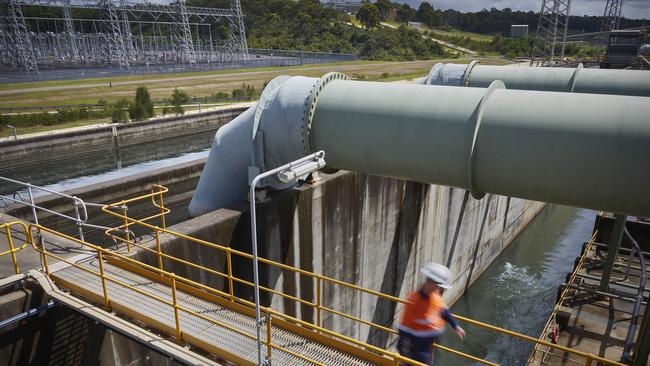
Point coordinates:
[[70, 143], [367, 230]]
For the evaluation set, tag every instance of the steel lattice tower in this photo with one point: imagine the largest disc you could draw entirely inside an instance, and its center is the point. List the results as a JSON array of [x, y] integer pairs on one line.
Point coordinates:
[[127, 36], [237, 44], [125, 33], [184, 35], [23, 53], [113, 35], [69, 33], [551, 28], [612, 15]]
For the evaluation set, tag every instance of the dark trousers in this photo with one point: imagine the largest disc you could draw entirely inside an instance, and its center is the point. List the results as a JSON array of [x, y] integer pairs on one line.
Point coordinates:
[[417, 348]]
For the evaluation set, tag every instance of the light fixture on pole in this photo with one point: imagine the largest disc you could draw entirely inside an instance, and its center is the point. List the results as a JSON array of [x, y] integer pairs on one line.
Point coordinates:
[[287, 174]]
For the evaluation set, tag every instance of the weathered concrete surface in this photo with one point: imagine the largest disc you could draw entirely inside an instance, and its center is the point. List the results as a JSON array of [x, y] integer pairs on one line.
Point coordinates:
[[372, 231], [70, 143]]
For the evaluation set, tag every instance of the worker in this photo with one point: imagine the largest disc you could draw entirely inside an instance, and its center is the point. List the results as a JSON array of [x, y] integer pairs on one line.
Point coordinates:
[[425, 313]]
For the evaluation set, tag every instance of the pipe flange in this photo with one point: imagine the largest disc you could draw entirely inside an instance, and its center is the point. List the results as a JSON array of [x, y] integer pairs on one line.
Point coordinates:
[[494, 86], [574, 77], [310, 106], [468, 71]]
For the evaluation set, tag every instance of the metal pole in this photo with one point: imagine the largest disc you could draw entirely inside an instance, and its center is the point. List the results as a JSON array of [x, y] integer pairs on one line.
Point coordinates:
[[256, 281], [15, 134], [614, 244]]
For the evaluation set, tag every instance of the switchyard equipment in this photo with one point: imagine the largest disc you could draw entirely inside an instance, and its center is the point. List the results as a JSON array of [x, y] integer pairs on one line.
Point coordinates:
[[571, 80], [124, 33], [612, 15], [551, 32]]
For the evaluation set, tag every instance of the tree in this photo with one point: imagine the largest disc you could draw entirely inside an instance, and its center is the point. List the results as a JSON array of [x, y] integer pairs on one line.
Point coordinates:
[[179, 98], [384, 7], [426, 14], [142, 107], [405, 13], [119, 111], [368, 15]]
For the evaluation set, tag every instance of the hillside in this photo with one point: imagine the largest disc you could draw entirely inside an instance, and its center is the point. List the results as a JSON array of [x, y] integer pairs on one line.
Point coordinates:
[[307, 25]]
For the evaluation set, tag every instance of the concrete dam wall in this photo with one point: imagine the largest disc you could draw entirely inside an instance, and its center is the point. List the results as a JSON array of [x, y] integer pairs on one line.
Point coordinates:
[[372, 231]]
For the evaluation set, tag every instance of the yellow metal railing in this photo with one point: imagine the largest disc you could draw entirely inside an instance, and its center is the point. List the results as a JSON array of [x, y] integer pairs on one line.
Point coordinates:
[[10, 242], [123, 233], [318, 279]]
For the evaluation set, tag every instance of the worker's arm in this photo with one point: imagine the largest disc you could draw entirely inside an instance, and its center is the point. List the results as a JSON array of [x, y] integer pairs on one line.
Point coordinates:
[[446, 314]]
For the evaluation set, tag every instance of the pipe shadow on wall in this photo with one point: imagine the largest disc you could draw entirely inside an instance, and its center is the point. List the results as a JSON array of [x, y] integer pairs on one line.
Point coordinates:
[[275, 218], [415, 194]]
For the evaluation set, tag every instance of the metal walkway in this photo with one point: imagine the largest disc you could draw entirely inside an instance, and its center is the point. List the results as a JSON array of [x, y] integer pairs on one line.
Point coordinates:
[[194, 328]]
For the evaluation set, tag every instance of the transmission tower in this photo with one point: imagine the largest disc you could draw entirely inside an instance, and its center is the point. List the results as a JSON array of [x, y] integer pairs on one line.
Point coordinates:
[[237, 44], [612, 16], [113, 35], [23, 53], [184, 35], [551, 30], [127, 36], [69, 34]]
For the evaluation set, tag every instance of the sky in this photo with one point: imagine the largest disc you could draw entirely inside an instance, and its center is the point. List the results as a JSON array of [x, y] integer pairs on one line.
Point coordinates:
[[631, 8]]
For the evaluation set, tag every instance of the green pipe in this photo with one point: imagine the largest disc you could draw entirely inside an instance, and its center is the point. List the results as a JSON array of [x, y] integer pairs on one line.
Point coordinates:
[[576, 80], [581, 150]]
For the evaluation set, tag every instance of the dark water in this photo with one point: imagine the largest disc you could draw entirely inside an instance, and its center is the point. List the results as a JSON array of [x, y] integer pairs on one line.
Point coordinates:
[[519, 289]]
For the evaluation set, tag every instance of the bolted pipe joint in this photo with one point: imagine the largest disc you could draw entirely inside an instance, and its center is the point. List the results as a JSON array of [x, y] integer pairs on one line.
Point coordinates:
[[557, 79]]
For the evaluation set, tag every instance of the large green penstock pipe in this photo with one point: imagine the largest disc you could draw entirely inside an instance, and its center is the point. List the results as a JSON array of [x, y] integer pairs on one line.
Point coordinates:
[[576, 80], [583, 150]]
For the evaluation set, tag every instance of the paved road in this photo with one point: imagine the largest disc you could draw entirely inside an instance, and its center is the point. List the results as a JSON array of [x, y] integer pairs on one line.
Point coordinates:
[[446, 44], [329, 67]]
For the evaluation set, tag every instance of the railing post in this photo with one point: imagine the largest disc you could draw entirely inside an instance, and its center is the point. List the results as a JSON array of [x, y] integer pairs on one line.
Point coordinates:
[[162, 211], [158, 251], [127, 233], [31, 203], [100, 258], [78, 222], [589, 360], [231, 289], [395, 359], [175, 304], [318, 301], [269, 344], [11, 249], [41, 244]]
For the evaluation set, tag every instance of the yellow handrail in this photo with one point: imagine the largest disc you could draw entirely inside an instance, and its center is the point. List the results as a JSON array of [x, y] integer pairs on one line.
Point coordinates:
[[102, 252], [12, 250], [320, 279], [157, 200]]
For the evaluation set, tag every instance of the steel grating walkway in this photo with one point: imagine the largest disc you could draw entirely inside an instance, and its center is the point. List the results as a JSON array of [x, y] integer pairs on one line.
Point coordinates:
[[212, 334]]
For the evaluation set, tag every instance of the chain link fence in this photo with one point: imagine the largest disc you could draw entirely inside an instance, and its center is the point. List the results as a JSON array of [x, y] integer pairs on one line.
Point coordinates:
[[257, 58]]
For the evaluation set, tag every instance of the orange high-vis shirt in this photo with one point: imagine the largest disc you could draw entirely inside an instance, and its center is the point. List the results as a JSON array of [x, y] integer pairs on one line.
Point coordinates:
[[423, 315]]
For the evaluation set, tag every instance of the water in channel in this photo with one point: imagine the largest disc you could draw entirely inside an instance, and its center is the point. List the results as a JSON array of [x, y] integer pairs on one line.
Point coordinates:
[[519, 289], [96, 166]]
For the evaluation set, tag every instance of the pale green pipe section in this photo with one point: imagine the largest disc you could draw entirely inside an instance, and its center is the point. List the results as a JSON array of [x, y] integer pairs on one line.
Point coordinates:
[[584, 150], [581, 80]]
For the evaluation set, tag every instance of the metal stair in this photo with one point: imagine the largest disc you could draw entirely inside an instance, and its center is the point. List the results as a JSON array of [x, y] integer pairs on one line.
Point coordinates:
[[201, 329]]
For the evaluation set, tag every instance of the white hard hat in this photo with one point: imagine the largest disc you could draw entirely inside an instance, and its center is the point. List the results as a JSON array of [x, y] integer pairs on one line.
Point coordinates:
[[438, 274]]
